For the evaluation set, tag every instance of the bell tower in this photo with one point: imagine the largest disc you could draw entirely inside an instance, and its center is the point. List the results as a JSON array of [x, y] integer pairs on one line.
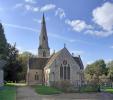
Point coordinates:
[[43, 50]]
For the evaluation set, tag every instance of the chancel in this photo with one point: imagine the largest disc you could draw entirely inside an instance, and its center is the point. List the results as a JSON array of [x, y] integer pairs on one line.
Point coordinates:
[[56, 67]]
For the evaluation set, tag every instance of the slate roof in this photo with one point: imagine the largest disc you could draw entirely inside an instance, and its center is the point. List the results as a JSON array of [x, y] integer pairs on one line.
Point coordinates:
[[37, 63], [53, 57], [79, 62]]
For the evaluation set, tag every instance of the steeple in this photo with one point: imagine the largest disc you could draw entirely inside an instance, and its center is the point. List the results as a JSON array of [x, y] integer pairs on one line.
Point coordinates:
[[43, 50]]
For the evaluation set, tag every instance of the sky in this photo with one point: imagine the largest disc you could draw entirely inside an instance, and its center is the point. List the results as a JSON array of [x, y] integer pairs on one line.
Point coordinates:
[[85, 26]]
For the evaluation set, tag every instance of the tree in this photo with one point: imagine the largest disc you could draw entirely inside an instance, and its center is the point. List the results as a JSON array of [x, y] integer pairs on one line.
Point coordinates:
[[3, 43], [24, 58], [14, 66], [104, 78], [2, 63], [110, 70]]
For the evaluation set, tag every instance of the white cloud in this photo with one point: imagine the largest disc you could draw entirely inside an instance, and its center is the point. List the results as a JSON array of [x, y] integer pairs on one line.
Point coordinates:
[[52, 51], [33, 51], [78, 25], [30, 1], [71, 40], [19, 48], [108, 60], [1, 8], [35, 9], [37, 20], [20, 27], [17, 6], [50, 34], [48, 7], [111, 46], [47, 18], [76, 52], [68, 29], [28, 7], [90, 62], [103, 16], [60, 11], [82, 58], [99, 33]]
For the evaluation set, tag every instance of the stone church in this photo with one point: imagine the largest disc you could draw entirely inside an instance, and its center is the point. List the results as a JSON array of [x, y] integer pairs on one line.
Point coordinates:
[[56, 67]]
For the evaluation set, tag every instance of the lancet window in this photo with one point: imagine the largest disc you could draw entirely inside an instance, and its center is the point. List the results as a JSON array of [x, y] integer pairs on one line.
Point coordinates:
[[36, 76], [44, 54]]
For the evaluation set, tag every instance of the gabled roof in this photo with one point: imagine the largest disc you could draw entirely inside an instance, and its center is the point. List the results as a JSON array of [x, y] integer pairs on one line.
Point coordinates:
[[79, 62], [37, 63], [51, 60]]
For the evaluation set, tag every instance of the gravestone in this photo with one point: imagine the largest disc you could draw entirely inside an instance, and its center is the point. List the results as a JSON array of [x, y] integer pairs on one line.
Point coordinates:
[[107, 84], [102, 84], [1, 78]]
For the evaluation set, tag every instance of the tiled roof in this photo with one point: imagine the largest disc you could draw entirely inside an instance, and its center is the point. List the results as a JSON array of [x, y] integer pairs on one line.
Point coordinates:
[[52, 59], [37, 63], [77, 59]]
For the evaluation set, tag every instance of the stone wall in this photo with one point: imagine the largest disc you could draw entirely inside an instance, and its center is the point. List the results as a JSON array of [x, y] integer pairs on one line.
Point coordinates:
[[31, 77], [1, 78]]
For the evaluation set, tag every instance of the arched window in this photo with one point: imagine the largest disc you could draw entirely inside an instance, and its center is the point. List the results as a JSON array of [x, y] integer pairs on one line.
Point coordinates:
[[61, 72], [65, 72], [44, 54], [36, 76], [68, 72]]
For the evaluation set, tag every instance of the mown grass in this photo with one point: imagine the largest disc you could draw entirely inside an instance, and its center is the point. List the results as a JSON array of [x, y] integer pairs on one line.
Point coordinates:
[[110, 89], [11, 84], [8, 93], [45, 90]]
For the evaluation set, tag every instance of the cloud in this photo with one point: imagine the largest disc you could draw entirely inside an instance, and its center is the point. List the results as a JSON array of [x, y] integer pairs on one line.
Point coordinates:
[[71, 40], [52, 51], [68, 29], [99, 33], [33, 51], [78, 25], [47, 18], [76, 52], [111, 46], [35, 9], [17, 5], [60, 11], [30, 1], [103, 16], [28, 7], [19, 48], [21, 27], [90, 62], [50, 34], [108, 60], [37, 20], [1, 8], [82, 58], [48, 7]]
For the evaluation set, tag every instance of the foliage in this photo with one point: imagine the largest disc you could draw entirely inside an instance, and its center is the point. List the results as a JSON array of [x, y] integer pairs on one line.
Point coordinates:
[[104, 78], [45, 90], [2, 63], [24, 60], [110, 70], [7, 93], [110, 89], [3, 43]]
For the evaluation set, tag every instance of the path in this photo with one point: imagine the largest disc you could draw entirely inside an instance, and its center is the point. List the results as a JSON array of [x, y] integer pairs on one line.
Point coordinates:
[[28, 93]]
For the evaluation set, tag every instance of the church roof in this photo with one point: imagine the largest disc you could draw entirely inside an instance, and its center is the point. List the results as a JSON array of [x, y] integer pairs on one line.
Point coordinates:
[[37, 63], [52, 59], [79, 62]]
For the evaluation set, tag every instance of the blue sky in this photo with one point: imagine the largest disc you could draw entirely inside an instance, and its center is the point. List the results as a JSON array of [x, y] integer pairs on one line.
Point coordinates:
[[85, 26]]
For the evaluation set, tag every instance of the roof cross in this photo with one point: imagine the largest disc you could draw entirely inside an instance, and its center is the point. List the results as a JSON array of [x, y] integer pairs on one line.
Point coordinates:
[[64, 44]]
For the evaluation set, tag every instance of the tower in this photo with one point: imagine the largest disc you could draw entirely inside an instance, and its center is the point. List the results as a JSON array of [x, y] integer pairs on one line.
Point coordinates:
[[43, 50]]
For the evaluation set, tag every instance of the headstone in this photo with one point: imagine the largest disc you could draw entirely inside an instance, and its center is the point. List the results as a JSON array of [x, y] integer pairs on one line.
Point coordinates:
[[15, 81], [102, 84], [1, 78], [107, 84]]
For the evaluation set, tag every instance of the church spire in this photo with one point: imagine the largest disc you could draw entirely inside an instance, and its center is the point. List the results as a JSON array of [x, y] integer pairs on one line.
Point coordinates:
[[43, 40]]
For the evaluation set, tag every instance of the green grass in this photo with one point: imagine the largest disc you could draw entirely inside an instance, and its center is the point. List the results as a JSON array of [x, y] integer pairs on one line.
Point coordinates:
[[45, 90], [110, 89], [10, 84], [8, 93]]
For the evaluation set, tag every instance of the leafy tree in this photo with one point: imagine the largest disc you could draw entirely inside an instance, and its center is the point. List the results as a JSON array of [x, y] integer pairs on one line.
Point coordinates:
[[2, 63], [3, 43], [110, 70], [104, 78], [24, 58]]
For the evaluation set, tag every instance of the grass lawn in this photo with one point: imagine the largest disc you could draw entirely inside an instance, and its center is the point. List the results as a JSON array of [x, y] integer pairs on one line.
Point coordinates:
[[45, 90], [110, 89], [8, 93]]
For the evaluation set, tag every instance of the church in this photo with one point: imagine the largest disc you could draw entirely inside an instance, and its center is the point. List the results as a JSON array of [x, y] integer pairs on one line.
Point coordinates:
[[56, 67]]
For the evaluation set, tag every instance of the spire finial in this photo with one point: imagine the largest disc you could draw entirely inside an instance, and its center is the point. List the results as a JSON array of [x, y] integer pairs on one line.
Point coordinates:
[[64, 45]]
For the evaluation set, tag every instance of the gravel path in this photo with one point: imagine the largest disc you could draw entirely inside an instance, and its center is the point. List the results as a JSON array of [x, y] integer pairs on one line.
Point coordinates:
[[28, 93]]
